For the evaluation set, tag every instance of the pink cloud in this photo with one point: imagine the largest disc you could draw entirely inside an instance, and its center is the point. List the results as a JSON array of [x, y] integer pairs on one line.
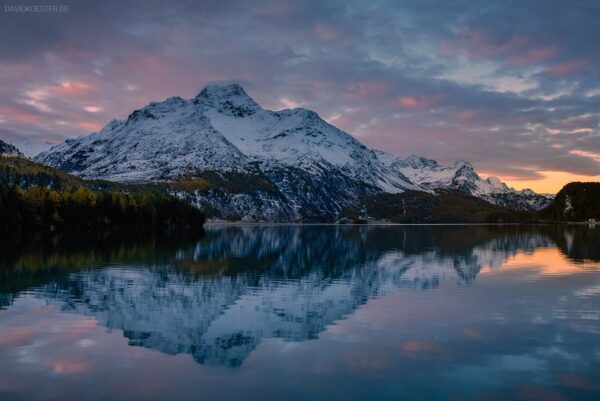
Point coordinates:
[[467, 115], [534, 55], [73, 88], [448, 48], [417, 102], [568, 67], [578, 122], [516, 42], [326, 32], [20, 115], [589, 155], [89, 125], [517, 50], [364, 90], [92, 109], [482, 45]]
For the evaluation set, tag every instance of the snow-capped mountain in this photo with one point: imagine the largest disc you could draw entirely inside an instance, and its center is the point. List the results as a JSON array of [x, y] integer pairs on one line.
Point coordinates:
[[7, 149], [430, 175], [163, 140], [222, 129], [295, 138], [300, 166]]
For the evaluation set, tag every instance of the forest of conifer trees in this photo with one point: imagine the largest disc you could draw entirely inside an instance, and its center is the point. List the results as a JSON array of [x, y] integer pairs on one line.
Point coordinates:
[[81, 209]]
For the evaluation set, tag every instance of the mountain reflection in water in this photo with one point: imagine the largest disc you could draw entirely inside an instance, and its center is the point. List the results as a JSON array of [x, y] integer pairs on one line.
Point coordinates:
[[217, 298]]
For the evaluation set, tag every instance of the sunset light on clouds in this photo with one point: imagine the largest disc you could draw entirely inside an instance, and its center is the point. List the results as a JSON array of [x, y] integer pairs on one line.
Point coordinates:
[[512, 86]]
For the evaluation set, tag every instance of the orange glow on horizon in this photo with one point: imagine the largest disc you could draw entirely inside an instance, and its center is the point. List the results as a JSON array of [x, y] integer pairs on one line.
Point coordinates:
[[552, 182]]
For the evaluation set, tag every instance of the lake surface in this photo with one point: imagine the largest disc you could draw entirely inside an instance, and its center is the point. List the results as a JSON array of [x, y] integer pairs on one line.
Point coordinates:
[[306, 313]]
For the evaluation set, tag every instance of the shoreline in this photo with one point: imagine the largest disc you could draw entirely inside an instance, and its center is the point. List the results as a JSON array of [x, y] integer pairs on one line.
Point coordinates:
[[221, 223]]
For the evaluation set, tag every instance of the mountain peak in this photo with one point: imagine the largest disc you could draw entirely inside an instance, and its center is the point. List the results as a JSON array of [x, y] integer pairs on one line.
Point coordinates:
[[495, 182], [230, 99], [463, 163], [222, 91], [418, 162], [465, 173]]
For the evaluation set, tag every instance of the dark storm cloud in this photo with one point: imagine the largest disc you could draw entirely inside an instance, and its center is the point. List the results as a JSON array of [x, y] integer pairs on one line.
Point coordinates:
[[513, 86]]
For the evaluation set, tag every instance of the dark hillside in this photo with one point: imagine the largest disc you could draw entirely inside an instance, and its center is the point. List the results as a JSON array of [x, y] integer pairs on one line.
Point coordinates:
[[576, 202]]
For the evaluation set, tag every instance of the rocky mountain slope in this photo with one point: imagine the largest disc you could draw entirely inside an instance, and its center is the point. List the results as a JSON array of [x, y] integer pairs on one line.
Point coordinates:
[[286, 165]]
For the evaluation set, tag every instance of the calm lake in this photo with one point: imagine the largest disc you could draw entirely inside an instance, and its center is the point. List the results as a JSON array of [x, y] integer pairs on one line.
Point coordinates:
[[306, 313]]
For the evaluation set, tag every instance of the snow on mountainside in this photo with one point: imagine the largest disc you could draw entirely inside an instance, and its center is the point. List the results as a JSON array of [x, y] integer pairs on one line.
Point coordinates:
[[430, 175], [314, 169], [297, 138], [161, 141]]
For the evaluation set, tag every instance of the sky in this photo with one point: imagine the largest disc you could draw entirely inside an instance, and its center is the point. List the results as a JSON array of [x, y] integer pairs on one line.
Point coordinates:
[[511, 86]]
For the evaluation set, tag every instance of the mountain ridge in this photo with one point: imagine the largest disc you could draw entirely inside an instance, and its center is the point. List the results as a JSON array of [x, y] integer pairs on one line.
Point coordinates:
[[316, 168]]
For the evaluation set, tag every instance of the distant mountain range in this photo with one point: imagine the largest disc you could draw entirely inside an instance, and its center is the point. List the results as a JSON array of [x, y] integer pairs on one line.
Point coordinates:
[[224, 153]]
